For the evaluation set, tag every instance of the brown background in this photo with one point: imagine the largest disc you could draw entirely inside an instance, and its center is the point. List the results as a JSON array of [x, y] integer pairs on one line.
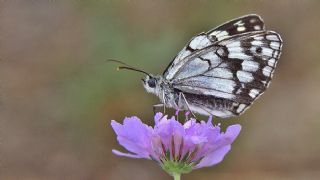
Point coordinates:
[[58, 94]]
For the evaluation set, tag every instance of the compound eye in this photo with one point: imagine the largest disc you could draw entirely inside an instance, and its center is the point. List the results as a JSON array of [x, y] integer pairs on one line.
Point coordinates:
[[152, 83]]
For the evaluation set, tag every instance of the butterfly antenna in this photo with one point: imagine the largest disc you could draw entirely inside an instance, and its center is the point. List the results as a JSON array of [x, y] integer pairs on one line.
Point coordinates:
[[128, 67]]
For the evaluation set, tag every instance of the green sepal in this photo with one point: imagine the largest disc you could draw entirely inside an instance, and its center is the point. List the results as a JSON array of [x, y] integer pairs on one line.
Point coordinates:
[[175, 167]]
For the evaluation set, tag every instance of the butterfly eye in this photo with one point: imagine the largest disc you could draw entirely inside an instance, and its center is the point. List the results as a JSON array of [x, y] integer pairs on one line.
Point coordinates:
[[152, 83]]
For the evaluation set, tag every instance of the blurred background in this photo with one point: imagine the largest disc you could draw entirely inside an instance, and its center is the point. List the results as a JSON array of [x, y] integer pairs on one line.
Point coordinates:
[[58, 93]]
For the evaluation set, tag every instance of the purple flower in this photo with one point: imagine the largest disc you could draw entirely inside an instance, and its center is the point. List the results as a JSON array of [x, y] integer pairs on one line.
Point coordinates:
[[178, 148]]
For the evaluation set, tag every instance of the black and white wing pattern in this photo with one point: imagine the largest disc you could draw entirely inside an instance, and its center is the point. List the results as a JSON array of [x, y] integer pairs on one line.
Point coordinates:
[[223, 71], [236, 26]]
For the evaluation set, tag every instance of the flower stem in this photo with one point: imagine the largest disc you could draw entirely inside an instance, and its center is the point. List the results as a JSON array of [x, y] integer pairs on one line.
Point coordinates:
[[176, 176]]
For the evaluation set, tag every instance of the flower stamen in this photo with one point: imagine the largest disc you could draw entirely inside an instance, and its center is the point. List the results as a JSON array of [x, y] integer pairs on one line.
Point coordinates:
[[180, 149], [193, 154], [172, 147]]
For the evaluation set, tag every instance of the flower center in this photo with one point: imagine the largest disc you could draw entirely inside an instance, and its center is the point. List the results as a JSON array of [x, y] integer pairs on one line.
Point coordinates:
[[174, 161]]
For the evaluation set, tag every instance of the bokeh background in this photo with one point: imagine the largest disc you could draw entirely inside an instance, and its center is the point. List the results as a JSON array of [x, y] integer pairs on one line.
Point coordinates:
[[58, 92]]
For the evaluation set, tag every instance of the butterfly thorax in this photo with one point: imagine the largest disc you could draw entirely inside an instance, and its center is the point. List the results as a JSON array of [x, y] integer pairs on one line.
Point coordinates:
[[162, 88]]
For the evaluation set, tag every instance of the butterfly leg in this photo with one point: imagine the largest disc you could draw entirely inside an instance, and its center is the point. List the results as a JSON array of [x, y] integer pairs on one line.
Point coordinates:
[[159, 105], [178, 109], [188, 106], [164, 102]]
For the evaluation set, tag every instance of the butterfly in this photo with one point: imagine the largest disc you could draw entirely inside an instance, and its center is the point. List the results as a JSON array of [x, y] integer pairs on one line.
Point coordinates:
[[221, 72]]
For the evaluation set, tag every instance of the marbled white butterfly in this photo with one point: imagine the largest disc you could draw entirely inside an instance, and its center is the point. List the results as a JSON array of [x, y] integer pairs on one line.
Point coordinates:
[[220, 72]]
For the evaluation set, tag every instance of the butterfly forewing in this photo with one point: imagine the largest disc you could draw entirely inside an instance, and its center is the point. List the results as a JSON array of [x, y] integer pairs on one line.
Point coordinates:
[[223, 71], [236, 26]]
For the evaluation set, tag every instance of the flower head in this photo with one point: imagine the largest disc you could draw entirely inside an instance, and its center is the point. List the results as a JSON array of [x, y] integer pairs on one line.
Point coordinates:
[[178, 148]]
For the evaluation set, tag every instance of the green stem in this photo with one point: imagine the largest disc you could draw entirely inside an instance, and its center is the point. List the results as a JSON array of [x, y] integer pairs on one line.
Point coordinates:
[[176, 176]]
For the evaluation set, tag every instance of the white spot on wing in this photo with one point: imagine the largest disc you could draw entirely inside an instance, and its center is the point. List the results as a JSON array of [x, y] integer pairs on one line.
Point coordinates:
[[200, 42], [235, 51], [276, 53], [256, 27], [220, 51], [222, 35], [220, 72], [253, 20], [244, 76], [253, 49], [251, 66], [224, 85], [271, 62], [272, 37], [275, 45], [267, 51], [233, 44], [209, 55], [256, 43], [241, 28], [254, 93], [267, 71], [241, 108]]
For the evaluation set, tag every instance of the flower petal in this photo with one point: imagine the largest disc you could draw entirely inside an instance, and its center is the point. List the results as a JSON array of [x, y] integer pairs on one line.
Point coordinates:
[[134, 136], [214, 157], [232, 132], [199, 142], [228, 137], [119, 153], [167, 129], [216, 141], [157, 117]]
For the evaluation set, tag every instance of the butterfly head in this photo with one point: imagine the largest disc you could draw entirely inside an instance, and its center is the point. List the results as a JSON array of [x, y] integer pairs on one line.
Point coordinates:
[[152, 83]]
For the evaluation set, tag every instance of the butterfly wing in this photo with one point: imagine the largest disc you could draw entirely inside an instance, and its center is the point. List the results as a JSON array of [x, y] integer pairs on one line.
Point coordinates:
[[223, 71], [244, 24], [225, 78]]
